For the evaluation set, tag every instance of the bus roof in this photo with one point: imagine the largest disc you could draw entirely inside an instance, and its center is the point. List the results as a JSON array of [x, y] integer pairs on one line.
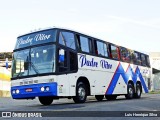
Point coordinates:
[[65, 28]]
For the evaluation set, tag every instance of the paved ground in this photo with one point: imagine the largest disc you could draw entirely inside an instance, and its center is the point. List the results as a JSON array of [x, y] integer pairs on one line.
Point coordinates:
[[148, 102]]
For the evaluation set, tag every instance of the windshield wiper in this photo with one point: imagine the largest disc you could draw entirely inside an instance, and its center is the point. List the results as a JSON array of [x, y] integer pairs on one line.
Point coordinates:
[[34, 67], [19, 73]]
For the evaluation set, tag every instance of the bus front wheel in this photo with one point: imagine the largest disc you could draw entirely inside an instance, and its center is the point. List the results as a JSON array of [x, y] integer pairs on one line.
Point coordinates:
[[81, 93], [46, 100]]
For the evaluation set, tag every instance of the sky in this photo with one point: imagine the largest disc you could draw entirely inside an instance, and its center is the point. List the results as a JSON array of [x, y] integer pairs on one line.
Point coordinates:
[[134, 24]]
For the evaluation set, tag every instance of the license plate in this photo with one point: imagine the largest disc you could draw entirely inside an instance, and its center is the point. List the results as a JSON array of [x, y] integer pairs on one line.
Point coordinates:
[[29, 90]]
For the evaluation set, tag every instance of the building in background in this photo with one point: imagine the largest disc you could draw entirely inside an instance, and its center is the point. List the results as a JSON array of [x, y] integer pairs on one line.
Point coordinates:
[[5, 73], [155, 65]]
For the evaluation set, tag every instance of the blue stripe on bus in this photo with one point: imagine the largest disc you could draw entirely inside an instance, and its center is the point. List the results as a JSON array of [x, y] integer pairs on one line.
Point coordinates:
[[142, 80], [125, 75], [36, 91]]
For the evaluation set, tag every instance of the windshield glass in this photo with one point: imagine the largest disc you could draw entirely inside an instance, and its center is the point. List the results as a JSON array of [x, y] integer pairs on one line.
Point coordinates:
[[34, 61], [18, 63]]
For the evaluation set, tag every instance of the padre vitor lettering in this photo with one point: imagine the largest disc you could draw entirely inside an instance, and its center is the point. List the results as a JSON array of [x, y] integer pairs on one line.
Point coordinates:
[[21, 41], [105, 64], [84, 62], [39, 37]]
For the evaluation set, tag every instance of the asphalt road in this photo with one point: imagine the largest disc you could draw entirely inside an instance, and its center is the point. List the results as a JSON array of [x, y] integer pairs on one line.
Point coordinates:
[[94, 109]]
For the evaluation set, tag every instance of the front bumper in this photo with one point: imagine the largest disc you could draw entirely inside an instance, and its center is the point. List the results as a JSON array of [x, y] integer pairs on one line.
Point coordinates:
[[35, 91]]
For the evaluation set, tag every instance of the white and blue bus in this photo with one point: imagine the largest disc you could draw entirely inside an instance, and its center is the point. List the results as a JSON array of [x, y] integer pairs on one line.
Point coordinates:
[[61, 63]]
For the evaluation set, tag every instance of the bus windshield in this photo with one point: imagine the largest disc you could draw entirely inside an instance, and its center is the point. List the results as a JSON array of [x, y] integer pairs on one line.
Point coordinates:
[[34, 61]]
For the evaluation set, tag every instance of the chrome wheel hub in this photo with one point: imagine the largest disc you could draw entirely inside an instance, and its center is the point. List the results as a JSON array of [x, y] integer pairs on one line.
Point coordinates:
[[130, 91], [138, 92], [81, 93]]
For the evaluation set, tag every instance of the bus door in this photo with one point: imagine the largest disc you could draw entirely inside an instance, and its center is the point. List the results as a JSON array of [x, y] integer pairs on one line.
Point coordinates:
[[67, 67]]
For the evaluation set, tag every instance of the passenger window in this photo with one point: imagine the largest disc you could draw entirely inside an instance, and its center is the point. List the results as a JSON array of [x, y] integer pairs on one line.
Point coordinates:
[[84, 44], [148, 61], [136, 58], [125, 54], [143, 59], [67, 39], [114, 52], [102, 49]]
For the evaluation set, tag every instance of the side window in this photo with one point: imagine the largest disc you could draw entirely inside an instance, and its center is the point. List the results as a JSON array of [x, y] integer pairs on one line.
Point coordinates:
[[143, 59], [67, 39], [84, 44], [114, 52], [62, 60], [125, 54], [136, 58], [101, 49], [148, 61]]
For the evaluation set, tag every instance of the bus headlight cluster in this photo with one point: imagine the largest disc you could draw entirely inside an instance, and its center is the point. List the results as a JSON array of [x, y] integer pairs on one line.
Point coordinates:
[[13, 91], [45, 89], [16, 91], [42, 89]]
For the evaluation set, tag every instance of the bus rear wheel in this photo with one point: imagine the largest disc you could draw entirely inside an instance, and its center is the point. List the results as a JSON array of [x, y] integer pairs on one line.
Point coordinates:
[[99, 97], [81, 93], [110, 97], [46, 100], [138, 91], [130, 91]]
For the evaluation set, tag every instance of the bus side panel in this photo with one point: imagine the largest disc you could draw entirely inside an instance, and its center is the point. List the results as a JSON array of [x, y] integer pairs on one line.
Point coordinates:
[[63, 85], [109, 76], [144, 77]]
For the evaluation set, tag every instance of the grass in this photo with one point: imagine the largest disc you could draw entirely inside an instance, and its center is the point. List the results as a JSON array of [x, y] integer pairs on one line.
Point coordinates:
[[154, 92]]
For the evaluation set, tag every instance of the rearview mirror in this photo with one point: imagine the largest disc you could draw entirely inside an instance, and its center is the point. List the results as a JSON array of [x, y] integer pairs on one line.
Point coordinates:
[[26, 64], [61, 55]]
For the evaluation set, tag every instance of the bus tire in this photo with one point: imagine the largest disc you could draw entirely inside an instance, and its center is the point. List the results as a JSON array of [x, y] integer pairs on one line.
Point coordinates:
[[46, 100], [81, 93], [138, 91], [130, 91], [111, 97], [99, 97]]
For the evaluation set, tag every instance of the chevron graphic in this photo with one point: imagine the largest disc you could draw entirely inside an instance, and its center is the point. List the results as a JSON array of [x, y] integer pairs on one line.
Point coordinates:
[[125, 75]]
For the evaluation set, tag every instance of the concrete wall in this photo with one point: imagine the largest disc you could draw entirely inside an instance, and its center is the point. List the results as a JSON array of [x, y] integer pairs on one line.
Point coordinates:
[[155, 63], [5, 83], [156, 81]]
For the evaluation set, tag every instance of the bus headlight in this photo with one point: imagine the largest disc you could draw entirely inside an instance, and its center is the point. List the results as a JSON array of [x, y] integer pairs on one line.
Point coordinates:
[[13, 91], [42, 89], [17, 91], [47, 88]]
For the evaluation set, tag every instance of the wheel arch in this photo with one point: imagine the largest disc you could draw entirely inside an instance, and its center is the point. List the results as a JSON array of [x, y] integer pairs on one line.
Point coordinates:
[[86, 82]]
